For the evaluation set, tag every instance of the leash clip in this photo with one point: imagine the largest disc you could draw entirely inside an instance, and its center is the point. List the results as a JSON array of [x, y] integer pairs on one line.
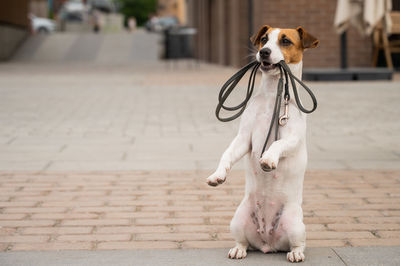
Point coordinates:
[[285, 117]]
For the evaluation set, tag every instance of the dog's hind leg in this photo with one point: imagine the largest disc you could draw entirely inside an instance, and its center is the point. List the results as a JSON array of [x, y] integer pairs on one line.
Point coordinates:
[[240, 221], [292, 223], [239, 251]]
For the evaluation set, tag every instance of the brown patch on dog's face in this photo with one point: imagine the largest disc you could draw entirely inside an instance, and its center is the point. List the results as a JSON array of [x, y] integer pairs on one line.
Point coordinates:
[[294, 42], [290, 45]]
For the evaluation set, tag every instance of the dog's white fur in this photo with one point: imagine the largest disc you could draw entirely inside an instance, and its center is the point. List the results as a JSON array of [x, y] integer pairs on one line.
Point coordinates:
[[270, 197]]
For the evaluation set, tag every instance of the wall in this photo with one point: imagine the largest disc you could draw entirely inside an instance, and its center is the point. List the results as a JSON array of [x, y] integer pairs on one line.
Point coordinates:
[[223, 30], [317, 17], [14, 26], [39, 8], [14, 12], [10, 39]]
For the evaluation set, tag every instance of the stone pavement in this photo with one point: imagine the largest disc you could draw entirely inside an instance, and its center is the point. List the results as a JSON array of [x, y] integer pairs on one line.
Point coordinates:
[[359, 256], [116, 48], [99, 153], [59, 116], [85, 117], [176, 209]]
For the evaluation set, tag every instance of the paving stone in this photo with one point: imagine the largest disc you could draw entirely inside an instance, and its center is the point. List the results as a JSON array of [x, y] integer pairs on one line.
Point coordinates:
[[368, 255], [134, 126], [172, 207], [196, 257]]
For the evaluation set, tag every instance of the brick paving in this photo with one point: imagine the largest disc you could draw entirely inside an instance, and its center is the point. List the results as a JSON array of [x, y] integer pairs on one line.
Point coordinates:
[[176, 209]]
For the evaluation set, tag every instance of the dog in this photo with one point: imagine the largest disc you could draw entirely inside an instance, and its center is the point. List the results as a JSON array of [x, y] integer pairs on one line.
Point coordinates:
[[270, 217]]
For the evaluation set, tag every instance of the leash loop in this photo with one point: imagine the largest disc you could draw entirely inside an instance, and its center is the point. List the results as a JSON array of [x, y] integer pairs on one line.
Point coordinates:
[[293, 80], [228, 87]]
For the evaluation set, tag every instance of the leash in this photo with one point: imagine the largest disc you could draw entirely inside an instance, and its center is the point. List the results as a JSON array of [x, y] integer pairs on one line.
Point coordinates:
[[285, 74]]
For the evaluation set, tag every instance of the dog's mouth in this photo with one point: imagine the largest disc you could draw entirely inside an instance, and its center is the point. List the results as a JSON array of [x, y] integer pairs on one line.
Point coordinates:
[[266, 66]]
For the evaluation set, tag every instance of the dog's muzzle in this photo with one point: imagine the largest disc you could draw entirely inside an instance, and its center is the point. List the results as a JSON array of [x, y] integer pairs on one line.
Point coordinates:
[[266, 65]]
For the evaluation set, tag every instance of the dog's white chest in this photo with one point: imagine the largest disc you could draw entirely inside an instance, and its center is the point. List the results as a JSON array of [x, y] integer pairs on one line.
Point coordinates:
[[260, 112]]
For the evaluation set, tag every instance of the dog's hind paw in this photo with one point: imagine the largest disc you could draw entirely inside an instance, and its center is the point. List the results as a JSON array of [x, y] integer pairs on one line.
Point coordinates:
[[295, 256], [237, 252]]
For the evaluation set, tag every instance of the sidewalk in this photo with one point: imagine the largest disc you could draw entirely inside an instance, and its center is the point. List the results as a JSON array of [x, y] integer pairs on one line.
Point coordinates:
[[203, 257], [84, 117], [176, 209], [99, 158]]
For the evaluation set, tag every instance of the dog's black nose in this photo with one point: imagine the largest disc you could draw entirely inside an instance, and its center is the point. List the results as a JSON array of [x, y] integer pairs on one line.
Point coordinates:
[[265, 52]]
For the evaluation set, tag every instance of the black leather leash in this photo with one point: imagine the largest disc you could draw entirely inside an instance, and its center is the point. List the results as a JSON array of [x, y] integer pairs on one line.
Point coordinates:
[[228, 87], [285, 73]]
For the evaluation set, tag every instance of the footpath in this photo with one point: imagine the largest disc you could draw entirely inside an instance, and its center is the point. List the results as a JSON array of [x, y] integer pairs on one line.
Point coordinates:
[[105, 164]]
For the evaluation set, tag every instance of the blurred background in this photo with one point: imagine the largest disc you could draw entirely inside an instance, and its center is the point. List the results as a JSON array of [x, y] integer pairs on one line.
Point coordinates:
[[106, 71], [219, 30]]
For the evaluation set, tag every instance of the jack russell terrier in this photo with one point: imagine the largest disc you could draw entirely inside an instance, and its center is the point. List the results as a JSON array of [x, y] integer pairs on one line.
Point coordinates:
[[270, 217]]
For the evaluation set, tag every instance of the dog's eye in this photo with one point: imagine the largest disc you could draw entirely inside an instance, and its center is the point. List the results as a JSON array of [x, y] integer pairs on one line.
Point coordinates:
[[264, 40], [286, 42]]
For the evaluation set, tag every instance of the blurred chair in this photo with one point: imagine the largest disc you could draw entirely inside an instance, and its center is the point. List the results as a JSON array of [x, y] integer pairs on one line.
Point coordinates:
[[382, 42]]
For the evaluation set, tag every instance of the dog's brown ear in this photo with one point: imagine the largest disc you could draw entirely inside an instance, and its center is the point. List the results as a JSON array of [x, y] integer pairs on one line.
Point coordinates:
[[307, 39], [255, 39]]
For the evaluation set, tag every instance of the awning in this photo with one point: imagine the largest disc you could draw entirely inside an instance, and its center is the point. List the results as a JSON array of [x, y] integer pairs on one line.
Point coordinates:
[[362, 14]]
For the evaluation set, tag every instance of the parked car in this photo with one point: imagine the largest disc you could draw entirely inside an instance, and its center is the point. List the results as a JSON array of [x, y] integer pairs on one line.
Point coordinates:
[[74, 6], [73, 10], [159, 24], [106, 6], [42, 25]]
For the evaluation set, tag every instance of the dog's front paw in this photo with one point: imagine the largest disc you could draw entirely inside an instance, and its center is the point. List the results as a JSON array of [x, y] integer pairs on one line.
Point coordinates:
[[269, 162], [216, 179]]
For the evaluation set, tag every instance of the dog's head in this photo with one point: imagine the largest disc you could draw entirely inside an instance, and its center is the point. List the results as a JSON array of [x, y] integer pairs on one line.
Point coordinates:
[[276, 44]]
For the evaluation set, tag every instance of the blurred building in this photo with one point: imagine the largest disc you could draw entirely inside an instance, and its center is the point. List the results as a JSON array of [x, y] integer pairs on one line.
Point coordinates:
[[224, 28], [39, 8], [14, 26], [175, 8]]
